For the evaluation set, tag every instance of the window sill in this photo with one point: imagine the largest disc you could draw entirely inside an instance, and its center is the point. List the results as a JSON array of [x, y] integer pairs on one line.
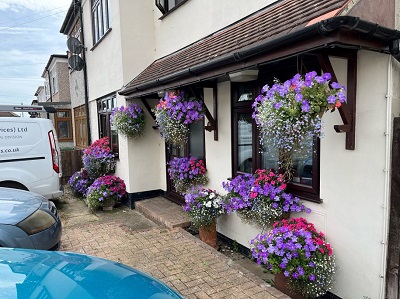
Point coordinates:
[[304, 192], [99, 41]]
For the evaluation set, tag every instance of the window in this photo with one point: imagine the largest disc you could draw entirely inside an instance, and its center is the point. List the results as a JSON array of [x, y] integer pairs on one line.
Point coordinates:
[[54, 83], [63, 122], [197, 140], [105, 107], [101, 18], [47, 89], [195, 148], [168, 5], [80, 124], [249, 155]]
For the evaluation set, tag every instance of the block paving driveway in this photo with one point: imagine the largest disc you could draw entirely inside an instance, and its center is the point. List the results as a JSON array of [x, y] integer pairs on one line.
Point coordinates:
[[172, 255]]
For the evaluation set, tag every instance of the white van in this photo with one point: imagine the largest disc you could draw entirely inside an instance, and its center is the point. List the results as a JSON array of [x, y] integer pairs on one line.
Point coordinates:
[[29, 154]]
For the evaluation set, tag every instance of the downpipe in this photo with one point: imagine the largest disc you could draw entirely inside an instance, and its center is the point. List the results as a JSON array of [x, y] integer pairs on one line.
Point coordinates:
[[387, 171]]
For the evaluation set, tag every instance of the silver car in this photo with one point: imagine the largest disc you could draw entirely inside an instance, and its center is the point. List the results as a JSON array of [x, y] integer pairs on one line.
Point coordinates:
[[28, 220]]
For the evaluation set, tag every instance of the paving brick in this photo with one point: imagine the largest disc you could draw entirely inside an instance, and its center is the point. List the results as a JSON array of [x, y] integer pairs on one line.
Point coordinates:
[[170, 254]]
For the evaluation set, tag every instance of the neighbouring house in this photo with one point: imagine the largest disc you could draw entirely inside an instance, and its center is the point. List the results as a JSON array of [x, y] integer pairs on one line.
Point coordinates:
[[207, 48], [71, 27], [40, 94], [57, 94]]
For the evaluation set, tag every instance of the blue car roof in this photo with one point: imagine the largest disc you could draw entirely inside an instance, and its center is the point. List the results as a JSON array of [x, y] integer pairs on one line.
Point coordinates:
[[27, 273]]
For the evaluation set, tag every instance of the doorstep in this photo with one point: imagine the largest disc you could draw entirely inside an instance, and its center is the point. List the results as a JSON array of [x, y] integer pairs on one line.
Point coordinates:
[[163, 212]]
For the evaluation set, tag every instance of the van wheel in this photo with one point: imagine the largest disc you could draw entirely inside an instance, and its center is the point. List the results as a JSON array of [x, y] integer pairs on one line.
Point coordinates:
[[14, 185]]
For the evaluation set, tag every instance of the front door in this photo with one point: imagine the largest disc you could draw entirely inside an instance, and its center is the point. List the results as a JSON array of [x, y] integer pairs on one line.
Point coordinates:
[[194, 148]]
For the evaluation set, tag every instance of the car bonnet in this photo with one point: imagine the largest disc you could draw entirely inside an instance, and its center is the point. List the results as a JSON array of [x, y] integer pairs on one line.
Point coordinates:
[[16, 205], [69, 275]]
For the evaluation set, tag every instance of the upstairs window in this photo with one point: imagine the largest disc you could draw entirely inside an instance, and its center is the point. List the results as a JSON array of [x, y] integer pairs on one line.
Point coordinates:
[[101, 19], [166, 6], [54, 83], [47, 89]]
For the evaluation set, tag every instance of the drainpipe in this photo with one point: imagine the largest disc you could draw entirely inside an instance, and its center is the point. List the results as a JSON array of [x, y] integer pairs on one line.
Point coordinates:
[[50, 92], [386, 199], [85, 75]]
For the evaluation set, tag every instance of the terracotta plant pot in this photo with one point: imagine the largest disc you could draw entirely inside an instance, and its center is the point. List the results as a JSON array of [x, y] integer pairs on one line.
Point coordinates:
[[108, 204], [281, 285], [208, 234]]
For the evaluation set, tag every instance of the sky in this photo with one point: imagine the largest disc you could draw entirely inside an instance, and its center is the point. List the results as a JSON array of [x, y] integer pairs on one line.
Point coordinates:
[[29, 34]]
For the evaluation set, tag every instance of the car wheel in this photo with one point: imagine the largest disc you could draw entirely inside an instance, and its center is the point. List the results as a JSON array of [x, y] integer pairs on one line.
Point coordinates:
[[14, 185]]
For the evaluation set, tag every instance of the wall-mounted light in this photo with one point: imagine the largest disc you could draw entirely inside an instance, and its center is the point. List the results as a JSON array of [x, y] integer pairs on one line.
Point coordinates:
[[244, 76], [161, 93]]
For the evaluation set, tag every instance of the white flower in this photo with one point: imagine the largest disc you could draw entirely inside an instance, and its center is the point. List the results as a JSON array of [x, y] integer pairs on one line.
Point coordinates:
[[208, 204]]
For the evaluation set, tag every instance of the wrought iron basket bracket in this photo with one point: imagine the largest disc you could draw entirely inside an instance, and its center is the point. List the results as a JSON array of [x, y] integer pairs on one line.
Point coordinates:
[[347, 110]]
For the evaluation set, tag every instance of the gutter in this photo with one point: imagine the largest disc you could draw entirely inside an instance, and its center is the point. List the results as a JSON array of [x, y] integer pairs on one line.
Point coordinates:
[[85, 77], [323, 28]]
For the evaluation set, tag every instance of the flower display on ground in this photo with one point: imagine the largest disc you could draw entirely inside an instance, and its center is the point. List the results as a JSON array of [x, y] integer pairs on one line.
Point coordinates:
[[104, 189], [203, 206], [129, 121], [98, 159], [295, 248], [187, 172], [173, 115], [260, 198], [289, 114], [80, 182]]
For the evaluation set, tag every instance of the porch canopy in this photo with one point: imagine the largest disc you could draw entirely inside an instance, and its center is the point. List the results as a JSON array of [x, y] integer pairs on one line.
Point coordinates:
[[282, 30]]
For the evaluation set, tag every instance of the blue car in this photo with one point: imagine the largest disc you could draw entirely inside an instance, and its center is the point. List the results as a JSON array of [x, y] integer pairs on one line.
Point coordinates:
[[28, 220], [27, 273]]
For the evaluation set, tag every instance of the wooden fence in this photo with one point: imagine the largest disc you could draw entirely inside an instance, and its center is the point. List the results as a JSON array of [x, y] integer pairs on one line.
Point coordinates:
[[71, 161]]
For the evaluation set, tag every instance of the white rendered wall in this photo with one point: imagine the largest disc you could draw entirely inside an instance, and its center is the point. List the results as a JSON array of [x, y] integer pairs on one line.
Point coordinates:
[[104, 60], [197, 19], [352, 185], [142, 162], [137, 36], [219, 153]]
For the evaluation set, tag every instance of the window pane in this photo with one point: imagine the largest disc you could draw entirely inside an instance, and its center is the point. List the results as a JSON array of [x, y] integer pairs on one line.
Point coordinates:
[[100, 22], [171, 4], [303, 168], [246, 93], [64, 130], [114, 141], [196, 140], [269, 158], [245, 142], [62, 114], [96, 26], [105, 15]]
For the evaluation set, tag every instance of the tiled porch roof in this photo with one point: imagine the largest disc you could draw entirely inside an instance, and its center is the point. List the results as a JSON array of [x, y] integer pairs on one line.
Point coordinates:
[[276, 20]]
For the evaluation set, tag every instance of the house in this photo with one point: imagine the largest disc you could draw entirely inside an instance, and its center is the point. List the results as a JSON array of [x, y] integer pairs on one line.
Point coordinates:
[[71, 27], [57, 94], [142, 49]]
